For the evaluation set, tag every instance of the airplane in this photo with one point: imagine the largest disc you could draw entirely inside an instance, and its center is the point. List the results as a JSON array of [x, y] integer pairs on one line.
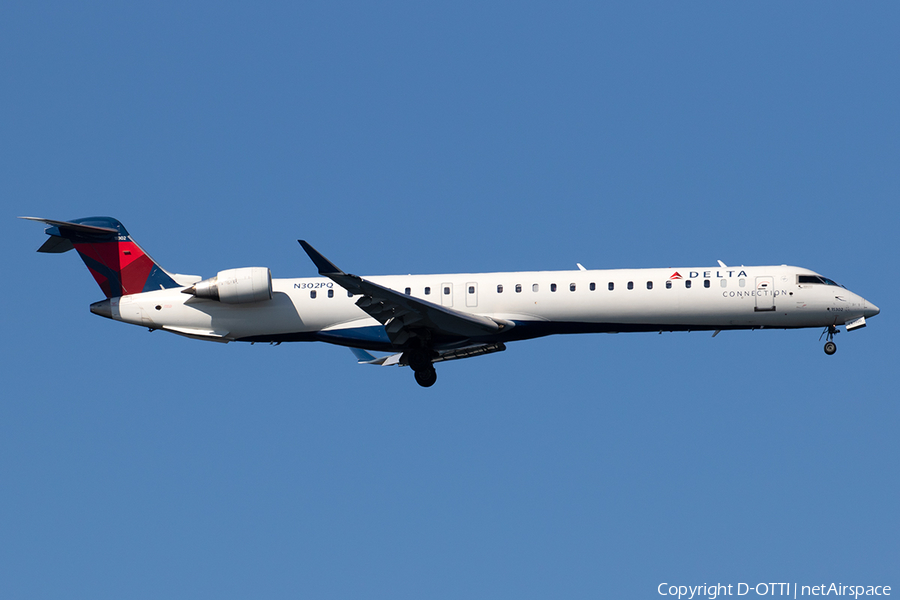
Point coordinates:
[[426, 319]]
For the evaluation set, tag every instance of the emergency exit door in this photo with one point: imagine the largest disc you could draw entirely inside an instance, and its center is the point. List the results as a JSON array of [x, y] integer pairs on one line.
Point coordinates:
[[446, 294], [471, 294]]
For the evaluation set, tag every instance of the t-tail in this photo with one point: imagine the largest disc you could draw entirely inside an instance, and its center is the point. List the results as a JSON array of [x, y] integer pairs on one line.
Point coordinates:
[[118, 264]]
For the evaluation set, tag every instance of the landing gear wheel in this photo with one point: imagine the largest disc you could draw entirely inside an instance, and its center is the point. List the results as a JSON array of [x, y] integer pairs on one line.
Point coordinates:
[[830, 347], [427, 377], [418, 360]]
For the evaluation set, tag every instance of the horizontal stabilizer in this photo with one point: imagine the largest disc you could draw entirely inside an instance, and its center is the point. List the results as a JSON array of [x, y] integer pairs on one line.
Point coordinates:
[[119, 266], [56, 245], [76, 227]]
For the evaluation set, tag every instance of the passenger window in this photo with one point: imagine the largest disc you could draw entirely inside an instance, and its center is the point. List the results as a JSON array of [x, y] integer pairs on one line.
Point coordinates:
[[669, 284], [706, 283], [612, 286], [593, 286], [571, 287], [349, 294], [742, 282], [649, 285], [534, 287], [518, 288], [312, 294], [630, 285], [499, 289], [331, 293], [471, 289], [446, 291], [552, 287], [408, 291], [427, 291], [687, 283], [723, 283]]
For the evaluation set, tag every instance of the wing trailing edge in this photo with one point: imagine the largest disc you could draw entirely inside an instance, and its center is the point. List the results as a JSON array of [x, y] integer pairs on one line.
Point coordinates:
[[366, 358], [402, 315]]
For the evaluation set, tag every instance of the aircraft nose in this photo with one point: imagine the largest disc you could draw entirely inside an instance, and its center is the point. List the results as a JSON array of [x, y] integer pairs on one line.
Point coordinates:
[[871, 310]]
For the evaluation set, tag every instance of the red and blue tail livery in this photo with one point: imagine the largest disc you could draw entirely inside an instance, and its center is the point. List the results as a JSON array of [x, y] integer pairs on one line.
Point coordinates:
[[118, 264]]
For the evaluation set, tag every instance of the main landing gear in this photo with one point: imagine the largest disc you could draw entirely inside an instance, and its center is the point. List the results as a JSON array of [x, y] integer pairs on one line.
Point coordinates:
[[419, 361], [427, 377], [830, 346]]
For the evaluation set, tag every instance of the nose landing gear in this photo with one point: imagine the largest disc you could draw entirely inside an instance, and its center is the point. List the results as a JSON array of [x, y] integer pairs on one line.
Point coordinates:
[[830, 346]]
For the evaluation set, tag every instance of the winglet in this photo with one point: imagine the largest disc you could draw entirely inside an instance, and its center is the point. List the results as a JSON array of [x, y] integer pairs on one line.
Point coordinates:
[[362, 356], [325, 266]]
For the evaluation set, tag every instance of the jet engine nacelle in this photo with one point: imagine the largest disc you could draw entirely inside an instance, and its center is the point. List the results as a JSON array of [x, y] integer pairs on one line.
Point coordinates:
[[235, 286]]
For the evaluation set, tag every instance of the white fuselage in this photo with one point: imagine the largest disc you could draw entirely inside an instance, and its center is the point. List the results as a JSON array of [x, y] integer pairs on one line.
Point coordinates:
[[538, 303]]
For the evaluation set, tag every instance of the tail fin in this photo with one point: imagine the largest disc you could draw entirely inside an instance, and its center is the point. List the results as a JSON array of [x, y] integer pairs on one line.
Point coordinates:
[[118, 264]]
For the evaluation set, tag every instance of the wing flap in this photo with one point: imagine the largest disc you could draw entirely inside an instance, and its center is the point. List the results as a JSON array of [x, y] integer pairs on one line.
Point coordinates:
[[365, 358]]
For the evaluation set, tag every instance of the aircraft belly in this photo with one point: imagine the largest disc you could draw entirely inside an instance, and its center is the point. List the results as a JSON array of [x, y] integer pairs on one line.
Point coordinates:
[[679, 311], [280, 315]]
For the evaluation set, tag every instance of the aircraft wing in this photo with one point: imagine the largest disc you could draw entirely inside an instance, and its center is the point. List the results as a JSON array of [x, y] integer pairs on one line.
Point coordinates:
[[365, 358], [404, 316]]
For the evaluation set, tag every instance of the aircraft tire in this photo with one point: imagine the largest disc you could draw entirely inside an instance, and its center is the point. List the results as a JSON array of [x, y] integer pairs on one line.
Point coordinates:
[[830, 348], [426, 378], [418, 360]]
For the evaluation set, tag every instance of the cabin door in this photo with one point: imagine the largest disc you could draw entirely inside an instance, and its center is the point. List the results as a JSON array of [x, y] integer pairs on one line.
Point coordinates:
[[765, 293]]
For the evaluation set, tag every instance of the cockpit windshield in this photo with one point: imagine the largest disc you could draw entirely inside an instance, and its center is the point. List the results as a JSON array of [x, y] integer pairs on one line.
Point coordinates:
[[816, 279]]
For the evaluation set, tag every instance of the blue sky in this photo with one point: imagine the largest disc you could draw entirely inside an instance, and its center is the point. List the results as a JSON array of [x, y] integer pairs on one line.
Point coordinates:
[[411, 138]]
